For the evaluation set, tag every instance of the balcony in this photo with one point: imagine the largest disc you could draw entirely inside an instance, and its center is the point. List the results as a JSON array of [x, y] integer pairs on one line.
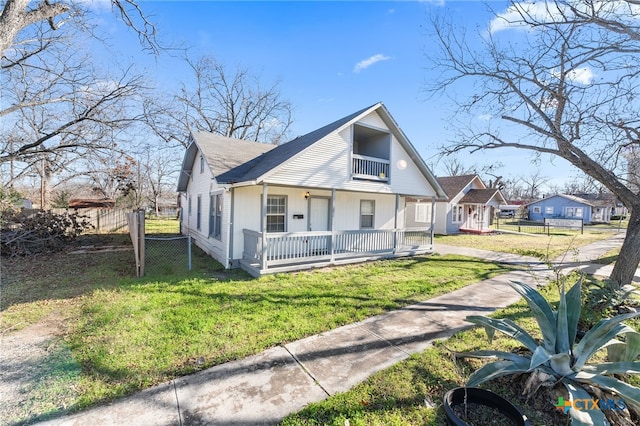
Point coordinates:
[[370, 168]]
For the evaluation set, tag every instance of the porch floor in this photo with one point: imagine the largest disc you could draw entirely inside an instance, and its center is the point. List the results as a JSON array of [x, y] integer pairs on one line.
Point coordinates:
[[476, 231], [253, 268]]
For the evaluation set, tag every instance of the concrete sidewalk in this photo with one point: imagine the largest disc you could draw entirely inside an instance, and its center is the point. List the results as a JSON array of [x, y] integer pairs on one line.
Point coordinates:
[[265, 388]]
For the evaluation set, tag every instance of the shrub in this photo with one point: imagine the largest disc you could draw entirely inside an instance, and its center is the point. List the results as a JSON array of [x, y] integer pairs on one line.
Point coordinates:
[[559, 357], [26, 233]]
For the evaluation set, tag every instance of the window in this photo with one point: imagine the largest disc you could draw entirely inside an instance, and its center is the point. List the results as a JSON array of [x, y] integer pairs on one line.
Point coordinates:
[[422, 212], [189, 207], [548, 210], [276, 213], [457, 214], [215, 216], [201, 163], [367, 208], [537, 209], [198, 212], [573, 212]]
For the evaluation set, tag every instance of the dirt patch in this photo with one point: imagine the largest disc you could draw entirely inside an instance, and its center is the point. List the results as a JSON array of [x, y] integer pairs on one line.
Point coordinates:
[[35, 366]]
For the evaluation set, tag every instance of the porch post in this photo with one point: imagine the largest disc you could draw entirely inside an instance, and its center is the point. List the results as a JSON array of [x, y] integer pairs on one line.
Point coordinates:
[[263, 258], [395, 225], [433, 219], [331, 216]]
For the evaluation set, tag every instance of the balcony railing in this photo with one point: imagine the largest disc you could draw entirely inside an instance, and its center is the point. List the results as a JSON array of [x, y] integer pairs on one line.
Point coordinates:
[[289, 248], [370, 168]]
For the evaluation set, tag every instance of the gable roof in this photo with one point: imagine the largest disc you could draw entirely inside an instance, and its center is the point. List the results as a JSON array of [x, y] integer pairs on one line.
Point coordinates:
[[452, 185], [222, 155], [258, 165], [568, 197], [284, 152], [482, 196]]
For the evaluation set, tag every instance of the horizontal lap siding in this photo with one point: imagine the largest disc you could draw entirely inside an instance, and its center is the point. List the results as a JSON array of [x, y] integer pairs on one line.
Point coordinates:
[[325, 164]]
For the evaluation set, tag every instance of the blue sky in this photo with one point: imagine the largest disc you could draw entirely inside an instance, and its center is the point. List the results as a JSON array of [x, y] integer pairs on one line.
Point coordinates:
[[332, 58]]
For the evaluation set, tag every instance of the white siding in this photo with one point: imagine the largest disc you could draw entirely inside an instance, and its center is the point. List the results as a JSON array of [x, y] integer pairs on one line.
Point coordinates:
[[327, 164], [203, 185], [373, 120], [248, 210]]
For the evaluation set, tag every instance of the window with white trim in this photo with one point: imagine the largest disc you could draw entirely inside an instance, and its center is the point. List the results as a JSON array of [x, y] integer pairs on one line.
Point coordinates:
[[215, 216], [456, 212], [573, 212], [201, 163], [537, 209], [548, 210], [367, 210], [198, 211], [276, 213], [423, 212]]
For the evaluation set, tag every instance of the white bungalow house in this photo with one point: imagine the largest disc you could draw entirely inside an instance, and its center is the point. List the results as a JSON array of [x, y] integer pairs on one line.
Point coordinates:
[[353, 190], [471, 206]]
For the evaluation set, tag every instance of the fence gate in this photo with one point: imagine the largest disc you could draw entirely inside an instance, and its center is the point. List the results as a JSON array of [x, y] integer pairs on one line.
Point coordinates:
[[167, 255]]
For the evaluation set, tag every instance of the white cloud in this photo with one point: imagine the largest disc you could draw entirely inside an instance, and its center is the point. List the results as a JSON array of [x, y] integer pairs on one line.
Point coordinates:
[[579, 75], [512, 17], [366, 63], [543, 11]]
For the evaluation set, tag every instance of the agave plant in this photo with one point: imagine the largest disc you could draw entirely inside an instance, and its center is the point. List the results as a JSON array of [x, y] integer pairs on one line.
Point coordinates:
[[558, 355]]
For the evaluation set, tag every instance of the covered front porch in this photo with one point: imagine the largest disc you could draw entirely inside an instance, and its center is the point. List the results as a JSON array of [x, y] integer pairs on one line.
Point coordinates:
[[289, 251]]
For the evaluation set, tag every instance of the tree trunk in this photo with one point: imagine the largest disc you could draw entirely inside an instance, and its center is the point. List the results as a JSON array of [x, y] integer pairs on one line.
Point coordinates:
[[629, 257]]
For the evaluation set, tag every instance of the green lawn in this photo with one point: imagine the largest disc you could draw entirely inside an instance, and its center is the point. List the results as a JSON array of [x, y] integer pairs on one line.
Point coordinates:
[[540, 246], [411, 392], [123, 334]]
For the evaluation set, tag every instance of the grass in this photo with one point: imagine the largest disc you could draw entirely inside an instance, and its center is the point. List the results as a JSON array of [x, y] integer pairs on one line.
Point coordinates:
[[123, 334], [540, 246], [411, 392], [161, 226]]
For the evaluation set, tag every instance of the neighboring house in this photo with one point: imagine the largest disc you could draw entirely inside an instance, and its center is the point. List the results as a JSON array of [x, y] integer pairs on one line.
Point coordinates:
[[350, 191], [471, 205], [562, 206]]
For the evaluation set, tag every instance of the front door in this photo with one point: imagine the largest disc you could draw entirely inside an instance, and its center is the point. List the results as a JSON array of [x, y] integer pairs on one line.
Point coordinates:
[[318, 214], [318, 245]]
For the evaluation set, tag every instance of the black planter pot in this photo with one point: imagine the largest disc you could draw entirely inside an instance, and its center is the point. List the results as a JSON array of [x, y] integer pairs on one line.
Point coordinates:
[[483, 397]]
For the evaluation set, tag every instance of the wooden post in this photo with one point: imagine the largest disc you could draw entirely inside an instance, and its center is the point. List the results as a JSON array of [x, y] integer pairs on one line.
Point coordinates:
[[263, 260]]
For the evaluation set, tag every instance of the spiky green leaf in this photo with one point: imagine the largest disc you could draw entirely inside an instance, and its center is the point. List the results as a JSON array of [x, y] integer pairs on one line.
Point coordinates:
[[497, 369], [579, 417], [608, 368], [503, 355], [632, 346], [539, 357], [507, 327], [562, 326], [598, 336], [615, 352], [574, 308], [544, 314], [630, 394]]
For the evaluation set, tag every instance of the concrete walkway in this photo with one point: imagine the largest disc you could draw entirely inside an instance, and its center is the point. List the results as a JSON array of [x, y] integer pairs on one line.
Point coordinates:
[[265, 388]]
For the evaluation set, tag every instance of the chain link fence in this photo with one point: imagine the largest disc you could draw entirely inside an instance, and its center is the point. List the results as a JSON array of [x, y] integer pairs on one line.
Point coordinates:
[[167, 255]]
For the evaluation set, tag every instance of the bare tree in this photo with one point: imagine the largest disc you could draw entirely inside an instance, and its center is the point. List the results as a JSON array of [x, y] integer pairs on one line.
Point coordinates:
[[18, 15], [532, 184], [58, 106], [566, 87], [235, 104], [454, 167], [159, 173]]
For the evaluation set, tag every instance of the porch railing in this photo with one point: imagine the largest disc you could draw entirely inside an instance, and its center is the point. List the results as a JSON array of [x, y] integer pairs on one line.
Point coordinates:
[[307, 247], [370, 168]]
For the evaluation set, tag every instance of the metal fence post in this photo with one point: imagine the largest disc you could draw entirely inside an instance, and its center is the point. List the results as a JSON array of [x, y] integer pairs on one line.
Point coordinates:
[[189, 253]]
